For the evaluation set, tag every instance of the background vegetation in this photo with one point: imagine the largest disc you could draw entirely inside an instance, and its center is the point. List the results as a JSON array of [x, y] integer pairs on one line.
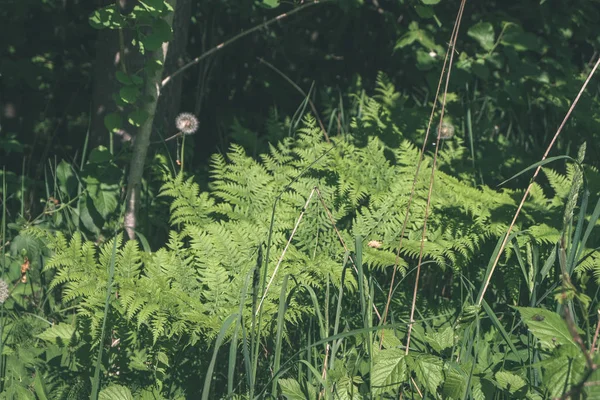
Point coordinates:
[[312, 237]]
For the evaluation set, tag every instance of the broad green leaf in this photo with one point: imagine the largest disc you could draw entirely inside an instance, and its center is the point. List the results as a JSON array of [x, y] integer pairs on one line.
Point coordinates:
[[424, 11], [510, 382], [429, 370], [291, 390], [153, 6], [137, 117], [66, 178], [40, 388], [60, 333], [123, 78], [113, 122], [440, 341], [548, 327], [105, 198], [430, 2], [455, 381], [161, 33], [562, 370], [115, 392], [129, 94], [483, 33], [107, 17], [389, 369], [269, 3], [515, 37], [593, 391], [99, 155]]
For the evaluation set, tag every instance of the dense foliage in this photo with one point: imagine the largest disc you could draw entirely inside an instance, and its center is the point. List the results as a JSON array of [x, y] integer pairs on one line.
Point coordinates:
[[331, 252]]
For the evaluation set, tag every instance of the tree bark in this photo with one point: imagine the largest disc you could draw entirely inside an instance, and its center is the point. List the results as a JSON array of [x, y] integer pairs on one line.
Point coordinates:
[[152, 89]]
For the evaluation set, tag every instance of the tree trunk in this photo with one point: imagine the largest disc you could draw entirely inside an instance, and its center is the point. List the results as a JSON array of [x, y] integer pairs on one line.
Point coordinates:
[[152, 89]]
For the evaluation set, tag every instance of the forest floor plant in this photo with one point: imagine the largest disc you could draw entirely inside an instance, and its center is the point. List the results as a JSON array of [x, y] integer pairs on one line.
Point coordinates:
[[279, 279]]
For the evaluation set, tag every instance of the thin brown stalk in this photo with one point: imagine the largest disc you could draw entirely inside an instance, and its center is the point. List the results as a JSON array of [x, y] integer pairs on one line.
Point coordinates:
[[593, 349], [414, 184], [239, 36], [535, 174], [285, 251], [432, 176]]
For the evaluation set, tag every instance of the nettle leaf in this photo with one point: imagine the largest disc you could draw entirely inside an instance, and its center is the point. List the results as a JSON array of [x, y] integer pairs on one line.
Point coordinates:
[[389, 369], [455, 381], [565, 368], [429, 370], [439, 341], [548, 327], [115, 392], [291, 390], [107, 17], [511, 382], [483, 33]]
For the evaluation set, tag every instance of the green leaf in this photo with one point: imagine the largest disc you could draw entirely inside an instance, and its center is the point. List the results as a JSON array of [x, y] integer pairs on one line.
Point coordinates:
[[269, 3], [107, 17], [152, 66], [60, 333], [439, 341], [455, 381], [562, 370], [424, 11], [129, 94], [483, 33], [153, 6], [105, 198], [429, 370], [123, 77], [291, 390], [115, 392], [548, 327], [40, 388], [66, 178], [113, 122], [480, 69], [100, 155], [137, 117], [88, 215], [430, 2], [389, 369], [510, 382], [161, 33], [515, 37]]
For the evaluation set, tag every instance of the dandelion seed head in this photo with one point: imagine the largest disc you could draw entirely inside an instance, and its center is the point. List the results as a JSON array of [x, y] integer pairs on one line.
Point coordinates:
[[186, 123], [446, 130], [4, 292]]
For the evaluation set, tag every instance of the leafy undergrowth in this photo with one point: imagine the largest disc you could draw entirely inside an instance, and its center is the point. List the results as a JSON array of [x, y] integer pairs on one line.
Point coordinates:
[[274, 281]]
